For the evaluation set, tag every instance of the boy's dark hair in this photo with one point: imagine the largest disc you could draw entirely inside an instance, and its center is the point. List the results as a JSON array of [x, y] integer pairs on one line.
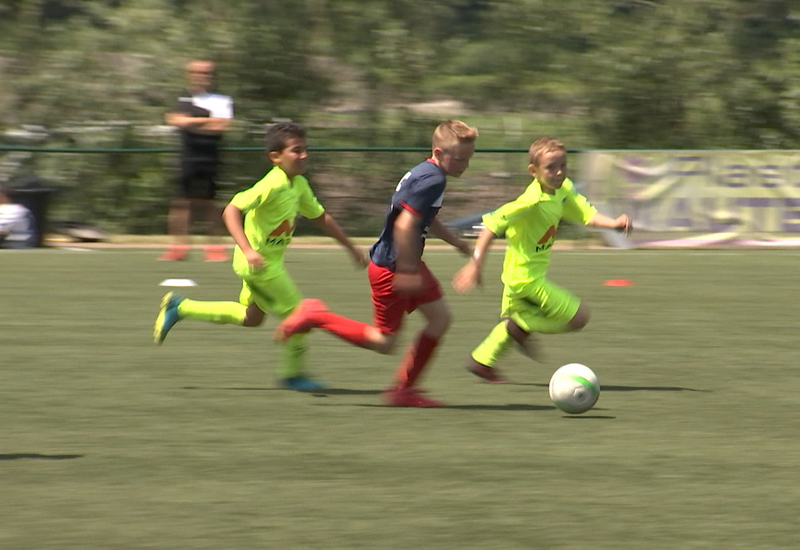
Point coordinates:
[[279, 134]]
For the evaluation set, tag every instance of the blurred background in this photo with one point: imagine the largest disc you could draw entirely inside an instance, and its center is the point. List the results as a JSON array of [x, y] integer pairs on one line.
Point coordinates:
[[90, 82], [683, 113]]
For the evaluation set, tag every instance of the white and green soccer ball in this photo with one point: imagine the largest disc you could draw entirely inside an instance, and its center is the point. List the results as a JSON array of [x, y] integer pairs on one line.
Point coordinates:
[[574, 388]]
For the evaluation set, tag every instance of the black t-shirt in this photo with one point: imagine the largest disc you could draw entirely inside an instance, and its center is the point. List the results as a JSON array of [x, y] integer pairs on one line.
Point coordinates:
[[197, 147]]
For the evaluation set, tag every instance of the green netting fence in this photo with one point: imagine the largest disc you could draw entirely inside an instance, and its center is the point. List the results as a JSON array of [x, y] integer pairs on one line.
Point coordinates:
[[126, 190]]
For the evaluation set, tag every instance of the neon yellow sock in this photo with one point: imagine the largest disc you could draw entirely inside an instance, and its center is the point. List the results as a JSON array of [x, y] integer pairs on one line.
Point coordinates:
[[294, 357], [224, 313], [494, 346]]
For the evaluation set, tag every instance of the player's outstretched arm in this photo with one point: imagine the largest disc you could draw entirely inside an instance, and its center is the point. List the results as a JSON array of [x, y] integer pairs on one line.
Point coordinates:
[[234, 222], [622, 223], [470, 275], [439, 230], [328, 224]]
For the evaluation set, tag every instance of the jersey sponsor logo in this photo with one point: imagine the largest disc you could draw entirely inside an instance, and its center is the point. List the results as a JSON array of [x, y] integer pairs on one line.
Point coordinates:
[[547, 239], [549, 234], [281, 235], [285, 228]]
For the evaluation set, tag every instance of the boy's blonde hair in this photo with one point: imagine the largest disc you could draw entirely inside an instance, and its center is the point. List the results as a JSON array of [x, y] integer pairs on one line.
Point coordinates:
[[544, 145], [452, 132]]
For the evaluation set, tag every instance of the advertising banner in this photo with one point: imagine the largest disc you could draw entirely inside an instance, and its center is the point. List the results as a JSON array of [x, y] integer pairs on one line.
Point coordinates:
[[699, 197]]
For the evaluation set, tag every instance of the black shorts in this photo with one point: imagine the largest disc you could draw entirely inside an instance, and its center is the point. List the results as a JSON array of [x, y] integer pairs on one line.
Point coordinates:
[[198, 180]]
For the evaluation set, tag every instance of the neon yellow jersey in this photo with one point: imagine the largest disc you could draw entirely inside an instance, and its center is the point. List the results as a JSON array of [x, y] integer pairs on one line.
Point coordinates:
[[531, 223], [270, 210]]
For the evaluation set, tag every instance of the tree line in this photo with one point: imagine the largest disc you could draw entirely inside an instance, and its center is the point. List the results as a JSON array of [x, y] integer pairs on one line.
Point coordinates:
[[621, 73]]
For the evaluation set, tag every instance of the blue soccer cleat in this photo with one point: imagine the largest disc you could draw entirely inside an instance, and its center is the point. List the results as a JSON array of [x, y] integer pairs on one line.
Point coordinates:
[[302, 383], [167, 316]]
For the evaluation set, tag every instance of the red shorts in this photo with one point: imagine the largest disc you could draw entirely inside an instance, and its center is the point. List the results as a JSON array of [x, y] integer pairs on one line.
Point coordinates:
[[389, 307]]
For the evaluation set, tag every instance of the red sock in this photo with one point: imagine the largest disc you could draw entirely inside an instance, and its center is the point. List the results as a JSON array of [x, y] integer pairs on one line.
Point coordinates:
[[348, 330], [417, 356]]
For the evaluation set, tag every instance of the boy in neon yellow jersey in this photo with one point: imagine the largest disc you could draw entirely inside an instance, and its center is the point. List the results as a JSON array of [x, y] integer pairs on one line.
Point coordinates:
[[261, 236], [530, 302]]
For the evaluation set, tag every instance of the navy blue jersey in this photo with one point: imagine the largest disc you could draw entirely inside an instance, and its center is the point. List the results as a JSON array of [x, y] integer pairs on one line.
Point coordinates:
[[420, 191]]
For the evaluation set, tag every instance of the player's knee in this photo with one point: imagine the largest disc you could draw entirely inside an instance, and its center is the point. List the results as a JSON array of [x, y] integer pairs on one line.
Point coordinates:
[[249, 322], [446, 320], [517, 332], [384, 343], [580, 320], [384, 348], [253, 317], [439, 324]]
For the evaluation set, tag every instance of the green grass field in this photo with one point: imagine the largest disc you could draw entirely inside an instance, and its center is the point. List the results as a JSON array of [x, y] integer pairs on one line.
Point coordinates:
[[108, 441]]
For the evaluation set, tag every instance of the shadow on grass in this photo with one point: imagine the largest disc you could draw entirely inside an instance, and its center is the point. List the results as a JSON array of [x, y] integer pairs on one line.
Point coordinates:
[[509, 407], [20, 456], [625, 388], [315, 393], [231, 389], [343, 391], [589, 417]]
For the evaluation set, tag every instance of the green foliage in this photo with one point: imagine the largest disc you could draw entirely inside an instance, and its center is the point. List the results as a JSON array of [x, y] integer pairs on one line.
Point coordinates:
[[669, 77], [622, 74]]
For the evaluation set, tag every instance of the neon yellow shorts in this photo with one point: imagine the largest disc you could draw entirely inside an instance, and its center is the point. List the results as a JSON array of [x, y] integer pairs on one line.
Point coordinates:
[[525, 303], [274, 293]]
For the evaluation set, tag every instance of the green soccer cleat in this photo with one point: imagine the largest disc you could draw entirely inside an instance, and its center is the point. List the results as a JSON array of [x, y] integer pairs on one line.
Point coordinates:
[[167, 316]]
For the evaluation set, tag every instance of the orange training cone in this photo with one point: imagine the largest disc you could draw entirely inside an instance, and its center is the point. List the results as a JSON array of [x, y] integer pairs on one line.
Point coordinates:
[[618, 282]]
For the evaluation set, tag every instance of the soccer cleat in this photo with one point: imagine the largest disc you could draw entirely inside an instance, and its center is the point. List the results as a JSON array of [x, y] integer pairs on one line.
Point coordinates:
[[489, 374], [216, 254], [301, 320], [302, 383], [174, 254], [400, 396], [167, 316]]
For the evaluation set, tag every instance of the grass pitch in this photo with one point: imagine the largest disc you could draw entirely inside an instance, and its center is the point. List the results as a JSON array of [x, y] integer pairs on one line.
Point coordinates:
[[108, 441]]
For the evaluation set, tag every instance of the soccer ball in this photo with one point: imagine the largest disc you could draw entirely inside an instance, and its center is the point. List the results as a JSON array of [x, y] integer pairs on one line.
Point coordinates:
[[574, 388]]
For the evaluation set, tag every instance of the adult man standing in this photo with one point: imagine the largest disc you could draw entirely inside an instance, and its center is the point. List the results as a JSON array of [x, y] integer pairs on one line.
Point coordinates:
[[202, 115]]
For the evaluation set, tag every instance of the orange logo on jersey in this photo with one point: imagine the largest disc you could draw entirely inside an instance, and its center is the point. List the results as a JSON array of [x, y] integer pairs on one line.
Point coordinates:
[[549, 234], [281, 235], [285, 228]]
